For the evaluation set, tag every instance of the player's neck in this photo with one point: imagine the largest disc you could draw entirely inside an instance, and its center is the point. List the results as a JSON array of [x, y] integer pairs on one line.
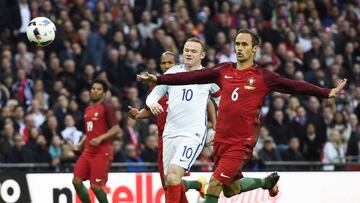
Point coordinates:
[[191, 68], [97, 101], [244, 65]]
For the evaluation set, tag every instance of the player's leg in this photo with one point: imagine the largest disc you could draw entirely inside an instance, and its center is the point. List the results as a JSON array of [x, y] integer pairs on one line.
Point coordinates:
[[240, 156], [187, 151], [81, 173], [160, 159], [173, 192], [100, 166]]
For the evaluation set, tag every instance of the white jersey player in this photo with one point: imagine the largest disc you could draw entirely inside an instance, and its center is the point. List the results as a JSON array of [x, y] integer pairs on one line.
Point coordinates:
[[184, 135]]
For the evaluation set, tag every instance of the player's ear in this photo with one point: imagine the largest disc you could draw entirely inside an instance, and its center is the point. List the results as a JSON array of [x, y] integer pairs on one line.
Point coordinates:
[[254, 49], [203, 54]]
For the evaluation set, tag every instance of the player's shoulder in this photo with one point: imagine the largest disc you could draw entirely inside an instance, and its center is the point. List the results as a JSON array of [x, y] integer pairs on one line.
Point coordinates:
[[175, 69], [224, 65]]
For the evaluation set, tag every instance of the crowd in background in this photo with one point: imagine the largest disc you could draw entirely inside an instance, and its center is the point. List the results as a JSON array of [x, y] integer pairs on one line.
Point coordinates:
[[44, 91]]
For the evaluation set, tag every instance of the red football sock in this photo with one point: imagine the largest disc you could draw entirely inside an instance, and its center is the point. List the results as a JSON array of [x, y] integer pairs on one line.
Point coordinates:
[[183, 194], [173, 194]]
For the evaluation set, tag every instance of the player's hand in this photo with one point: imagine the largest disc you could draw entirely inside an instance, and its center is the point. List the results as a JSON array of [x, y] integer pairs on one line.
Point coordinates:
[[77, 148], [95, 141], [337, 89], [133, 112], [149, 79], [156, 109]]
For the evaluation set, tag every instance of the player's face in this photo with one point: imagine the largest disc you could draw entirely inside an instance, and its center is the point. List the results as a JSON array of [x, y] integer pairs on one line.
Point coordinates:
[[193, 54], [167, 61], [97, 92], [245, 50]]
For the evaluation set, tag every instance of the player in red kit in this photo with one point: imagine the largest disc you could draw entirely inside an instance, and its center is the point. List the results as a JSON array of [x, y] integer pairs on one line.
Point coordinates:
[[243, 88], [167, 60], [95, 161]]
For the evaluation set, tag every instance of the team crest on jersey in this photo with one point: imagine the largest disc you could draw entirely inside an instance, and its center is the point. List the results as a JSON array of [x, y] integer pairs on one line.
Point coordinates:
[[96, 114], [251, 82]]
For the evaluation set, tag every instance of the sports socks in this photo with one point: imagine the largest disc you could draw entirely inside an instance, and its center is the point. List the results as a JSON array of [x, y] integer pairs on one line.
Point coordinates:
[[183, 198], [101, 196], [173, 193], [83, 194], [209, 198], [191, 184], [247, 184]]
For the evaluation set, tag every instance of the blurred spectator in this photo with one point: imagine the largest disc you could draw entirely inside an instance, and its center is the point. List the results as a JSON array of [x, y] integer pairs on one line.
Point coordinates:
[[131, 157], [279, 130], [50, 128], [55, 151], [150, 151], [7, 139], [312, 143], [269, 152], [342, 126], [119, 155], [293, 153], [70, 131], [17, 154], [334, 150]]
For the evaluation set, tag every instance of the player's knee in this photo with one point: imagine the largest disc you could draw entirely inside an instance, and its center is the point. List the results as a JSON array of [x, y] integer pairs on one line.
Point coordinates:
[[172, 178], [215, 186], [229, 193], [231, 190], [77, 183], [95, 188]]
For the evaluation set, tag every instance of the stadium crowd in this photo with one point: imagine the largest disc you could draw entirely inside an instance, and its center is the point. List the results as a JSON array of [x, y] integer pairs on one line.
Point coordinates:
[[44, 91]]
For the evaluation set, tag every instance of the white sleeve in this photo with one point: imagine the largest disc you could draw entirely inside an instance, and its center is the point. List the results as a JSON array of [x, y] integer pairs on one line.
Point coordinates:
[[156, 94], [215, 93], [214, 88]]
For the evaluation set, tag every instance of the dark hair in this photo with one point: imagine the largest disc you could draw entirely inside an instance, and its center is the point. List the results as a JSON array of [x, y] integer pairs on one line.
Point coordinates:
[[171, 54], [255, 38], [195, 39], [102, 82]]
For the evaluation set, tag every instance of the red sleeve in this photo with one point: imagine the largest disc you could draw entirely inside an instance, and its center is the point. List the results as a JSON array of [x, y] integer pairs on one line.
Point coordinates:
[[277, 83], [204, 76], [110, 116]]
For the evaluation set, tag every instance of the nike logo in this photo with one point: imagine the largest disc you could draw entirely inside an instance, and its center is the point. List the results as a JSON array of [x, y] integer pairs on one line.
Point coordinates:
[[223, 175], [98, 180], [248, 138], [228, 77], [182, 160]]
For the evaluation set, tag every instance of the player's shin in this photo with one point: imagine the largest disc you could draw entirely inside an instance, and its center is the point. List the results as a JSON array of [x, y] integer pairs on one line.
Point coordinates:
[[247, 184], [100, 194], [83, 194]]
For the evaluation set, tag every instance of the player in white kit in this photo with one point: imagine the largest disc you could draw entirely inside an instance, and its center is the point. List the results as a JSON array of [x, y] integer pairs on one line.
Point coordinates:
[[184, 135]]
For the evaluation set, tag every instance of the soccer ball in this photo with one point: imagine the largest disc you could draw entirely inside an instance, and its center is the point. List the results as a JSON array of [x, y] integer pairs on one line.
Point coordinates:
[[41, 31]]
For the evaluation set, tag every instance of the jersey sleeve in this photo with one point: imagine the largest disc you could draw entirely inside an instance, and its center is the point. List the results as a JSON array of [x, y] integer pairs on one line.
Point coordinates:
[[156, 94], [277, 83], [215, 90], [204, 76], [110, 116]]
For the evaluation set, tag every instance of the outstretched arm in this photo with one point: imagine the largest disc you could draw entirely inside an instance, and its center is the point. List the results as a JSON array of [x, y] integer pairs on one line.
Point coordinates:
[[281, 84], [134, 113], [204, 76]]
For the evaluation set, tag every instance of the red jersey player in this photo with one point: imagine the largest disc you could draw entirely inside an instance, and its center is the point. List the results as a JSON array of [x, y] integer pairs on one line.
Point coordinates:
[[95, 161], [243, 88], [167, 60]]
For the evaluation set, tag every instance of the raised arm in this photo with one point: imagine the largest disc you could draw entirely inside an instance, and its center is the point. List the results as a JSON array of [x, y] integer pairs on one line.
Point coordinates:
[[204, 76], [281, 84]]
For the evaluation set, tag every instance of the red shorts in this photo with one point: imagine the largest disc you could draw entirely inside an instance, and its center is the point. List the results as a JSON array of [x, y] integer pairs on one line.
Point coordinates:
[[229, 160], [94, 167]]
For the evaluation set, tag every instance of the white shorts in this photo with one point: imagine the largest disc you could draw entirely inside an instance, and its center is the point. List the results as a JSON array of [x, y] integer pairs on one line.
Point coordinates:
[[181, 151]]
